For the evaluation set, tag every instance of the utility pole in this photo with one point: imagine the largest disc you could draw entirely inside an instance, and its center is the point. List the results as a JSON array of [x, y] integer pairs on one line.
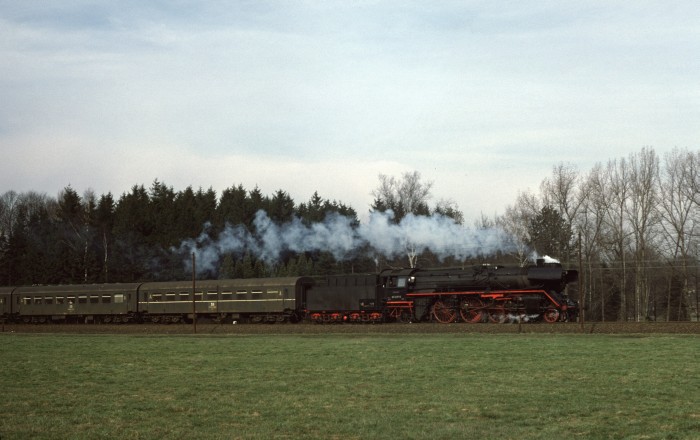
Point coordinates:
[[581, 284], [194, 303]]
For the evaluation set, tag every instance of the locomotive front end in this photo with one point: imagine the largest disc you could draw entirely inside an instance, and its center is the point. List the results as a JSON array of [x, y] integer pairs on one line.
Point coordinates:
[[485, 293]]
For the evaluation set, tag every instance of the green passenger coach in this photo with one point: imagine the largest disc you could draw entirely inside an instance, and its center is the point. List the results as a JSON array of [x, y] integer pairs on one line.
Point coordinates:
[[250, 300], [83, 302]]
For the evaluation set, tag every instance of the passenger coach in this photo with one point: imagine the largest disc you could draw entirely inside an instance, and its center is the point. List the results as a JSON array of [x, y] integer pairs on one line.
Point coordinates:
[[253, 300], [84, 302]]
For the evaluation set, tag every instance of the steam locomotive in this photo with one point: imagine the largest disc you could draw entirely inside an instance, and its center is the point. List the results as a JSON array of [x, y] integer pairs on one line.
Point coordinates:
[[477, 294]]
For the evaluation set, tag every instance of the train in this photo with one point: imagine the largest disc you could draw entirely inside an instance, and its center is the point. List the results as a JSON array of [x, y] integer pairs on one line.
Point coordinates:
[[481, 293]]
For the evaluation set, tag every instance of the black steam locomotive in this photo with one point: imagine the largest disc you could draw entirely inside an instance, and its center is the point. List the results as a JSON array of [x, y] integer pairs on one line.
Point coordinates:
[[476, 294]]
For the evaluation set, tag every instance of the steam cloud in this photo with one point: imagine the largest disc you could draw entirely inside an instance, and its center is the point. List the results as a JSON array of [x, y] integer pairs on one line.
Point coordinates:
[[337, 235]]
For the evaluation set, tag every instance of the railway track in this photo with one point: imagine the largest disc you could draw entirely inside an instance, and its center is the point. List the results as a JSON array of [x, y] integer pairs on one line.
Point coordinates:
[[246, 329]]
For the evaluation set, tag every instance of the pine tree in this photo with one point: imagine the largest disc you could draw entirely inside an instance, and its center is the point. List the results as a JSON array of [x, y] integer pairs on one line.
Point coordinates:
[[104, 218], [291, 269], [227, 268], [281, 207], [133, 227], [232, 207], [186, 214], [248, 268], [259, 269], [162, 214], [549, 233]]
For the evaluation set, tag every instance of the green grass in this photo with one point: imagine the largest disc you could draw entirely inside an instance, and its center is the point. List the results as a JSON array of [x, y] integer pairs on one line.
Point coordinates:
[[349, 386]]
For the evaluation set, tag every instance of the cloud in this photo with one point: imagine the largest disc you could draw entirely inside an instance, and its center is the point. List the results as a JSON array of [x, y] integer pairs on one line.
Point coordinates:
[[479, 98], [115, 167]]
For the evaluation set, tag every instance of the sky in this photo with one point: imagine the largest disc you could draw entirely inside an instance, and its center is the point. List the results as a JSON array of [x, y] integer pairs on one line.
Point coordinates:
[[483, 98]]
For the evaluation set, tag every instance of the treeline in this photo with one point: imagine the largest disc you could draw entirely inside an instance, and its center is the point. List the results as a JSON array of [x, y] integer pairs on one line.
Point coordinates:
[[633, 223], [91, 239]]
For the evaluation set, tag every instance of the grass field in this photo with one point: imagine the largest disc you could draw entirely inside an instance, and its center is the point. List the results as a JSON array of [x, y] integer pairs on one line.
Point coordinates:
[[349, 386]]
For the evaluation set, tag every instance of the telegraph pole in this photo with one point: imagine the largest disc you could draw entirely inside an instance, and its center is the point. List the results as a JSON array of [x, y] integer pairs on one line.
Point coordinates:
[[194, 303], [581, 284]]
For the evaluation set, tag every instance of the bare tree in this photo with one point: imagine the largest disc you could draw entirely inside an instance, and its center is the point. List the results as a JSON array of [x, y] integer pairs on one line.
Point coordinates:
[[644, 177], [449, 208], [589, 222], [408, 195], [680, 217], [9, 204], [12, 202], [516, 221], [562, 191], [614, 195], [484, 222], [76, 216]]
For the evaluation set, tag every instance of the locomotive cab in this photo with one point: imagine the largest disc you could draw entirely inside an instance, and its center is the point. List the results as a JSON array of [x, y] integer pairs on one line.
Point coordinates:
[[397, 283]]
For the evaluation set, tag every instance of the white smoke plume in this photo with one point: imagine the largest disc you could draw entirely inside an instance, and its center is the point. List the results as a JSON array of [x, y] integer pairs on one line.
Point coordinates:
[[534, 256], [437, 233], [338, 235]]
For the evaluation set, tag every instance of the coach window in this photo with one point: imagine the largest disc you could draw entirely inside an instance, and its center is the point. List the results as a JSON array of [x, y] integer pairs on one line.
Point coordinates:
[[256, 294], [184, 296], [38, 300], [48, 300], [71, 300], [82, 299], [94, 299], [60, 300], [170, 297], [156, 297], [225, 296], [118, 297], [198, 296], [211, 296], [106, 299]]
